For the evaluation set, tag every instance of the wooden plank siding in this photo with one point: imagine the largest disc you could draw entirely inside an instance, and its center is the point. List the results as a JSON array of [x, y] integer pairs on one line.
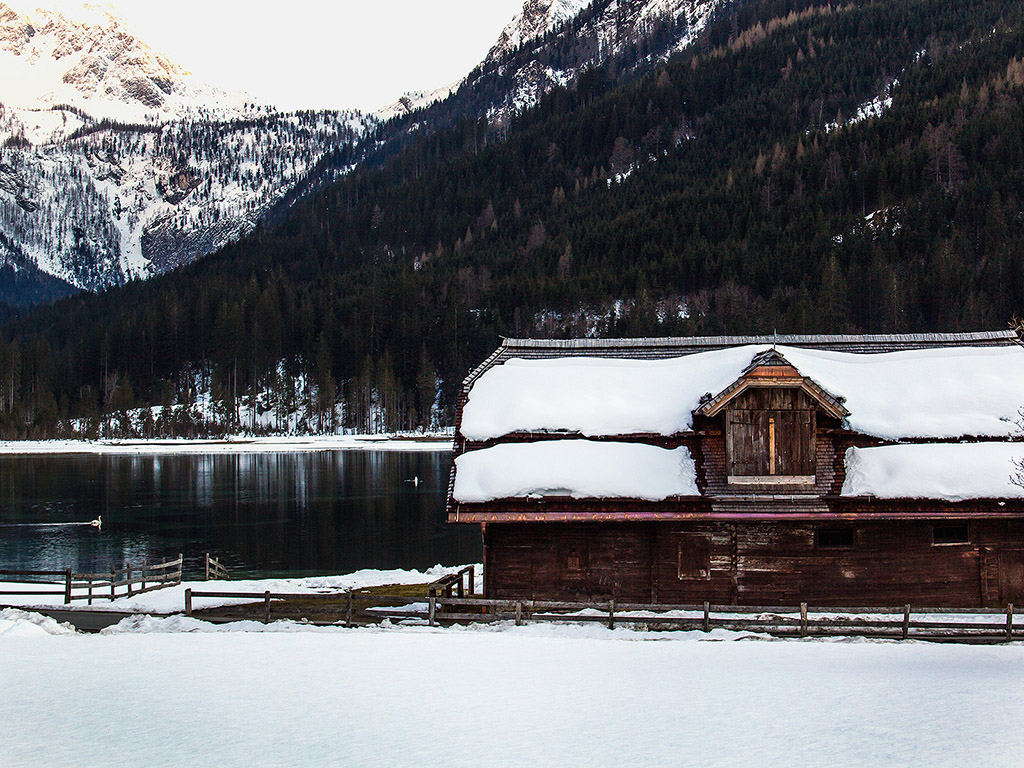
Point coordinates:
[[761, 563]]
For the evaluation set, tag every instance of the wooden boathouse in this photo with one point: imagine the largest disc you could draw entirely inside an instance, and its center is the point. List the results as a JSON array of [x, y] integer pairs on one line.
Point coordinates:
[[831, 470]]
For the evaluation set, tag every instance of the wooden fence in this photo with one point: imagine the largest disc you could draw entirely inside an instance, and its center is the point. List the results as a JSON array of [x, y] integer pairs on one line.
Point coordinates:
[[32, 578], [118, 582], [899, 623], [215, 570]]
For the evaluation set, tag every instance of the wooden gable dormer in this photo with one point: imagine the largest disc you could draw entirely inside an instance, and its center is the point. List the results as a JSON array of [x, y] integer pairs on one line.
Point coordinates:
[[770, 423]]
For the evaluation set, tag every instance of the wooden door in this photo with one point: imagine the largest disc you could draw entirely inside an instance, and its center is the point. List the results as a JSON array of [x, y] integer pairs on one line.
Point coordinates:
[[574, 565], [748, 443], [795, 442], [1002, 576]]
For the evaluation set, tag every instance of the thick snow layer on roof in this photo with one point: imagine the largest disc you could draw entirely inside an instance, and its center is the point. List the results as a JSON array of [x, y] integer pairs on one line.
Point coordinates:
[[949, 392], [578, 468], [598, 397], [951, 472]]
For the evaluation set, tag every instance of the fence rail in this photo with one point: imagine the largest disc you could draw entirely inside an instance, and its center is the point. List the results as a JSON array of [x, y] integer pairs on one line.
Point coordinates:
[[900, 623], [118, 582]]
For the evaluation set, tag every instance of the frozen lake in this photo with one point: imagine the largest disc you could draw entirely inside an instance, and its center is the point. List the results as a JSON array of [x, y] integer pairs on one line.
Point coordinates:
[[285, 514]]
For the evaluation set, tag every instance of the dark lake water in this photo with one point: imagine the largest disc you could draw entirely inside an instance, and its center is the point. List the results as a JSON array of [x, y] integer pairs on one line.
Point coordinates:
[[278, 514]]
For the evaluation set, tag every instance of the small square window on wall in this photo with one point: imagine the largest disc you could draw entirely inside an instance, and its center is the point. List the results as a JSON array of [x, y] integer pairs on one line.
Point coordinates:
[[834, 538], [951, 534], [694, 558]]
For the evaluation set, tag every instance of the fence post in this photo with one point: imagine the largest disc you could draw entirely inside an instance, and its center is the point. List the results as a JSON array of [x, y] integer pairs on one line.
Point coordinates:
[[433, 608], [803, 619], [519, 613], [266, 607], [1009, 622], [113, 578], [90, 590], [906, 622], [128, 577], [460, 590], [144, 564], [611, 614], [348, 610], [207, 566], [188, 602], [181, 565], [67, 587], [707, 616], [472, 580]]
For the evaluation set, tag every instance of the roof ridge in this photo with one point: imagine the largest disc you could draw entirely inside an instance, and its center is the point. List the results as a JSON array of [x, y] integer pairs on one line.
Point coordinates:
[[783, 339]]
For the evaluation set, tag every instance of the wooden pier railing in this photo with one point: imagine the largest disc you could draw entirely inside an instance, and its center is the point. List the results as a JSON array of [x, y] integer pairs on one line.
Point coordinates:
[[118, 582], [462, 583], [215, 570]]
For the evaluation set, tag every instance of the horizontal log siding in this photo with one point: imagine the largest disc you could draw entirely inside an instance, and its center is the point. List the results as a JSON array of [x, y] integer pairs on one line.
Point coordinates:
[[756, 563]]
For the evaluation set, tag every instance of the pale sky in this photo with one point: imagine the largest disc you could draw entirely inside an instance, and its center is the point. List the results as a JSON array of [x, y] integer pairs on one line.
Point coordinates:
[[315, 53]]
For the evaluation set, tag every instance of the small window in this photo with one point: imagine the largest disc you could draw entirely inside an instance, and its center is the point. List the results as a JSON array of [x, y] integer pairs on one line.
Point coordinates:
[[835, 538], [951, 533], [573, 558], [694, 554]]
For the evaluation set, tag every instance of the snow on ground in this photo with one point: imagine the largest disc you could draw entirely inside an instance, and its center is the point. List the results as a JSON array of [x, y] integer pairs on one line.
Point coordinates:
[[952, 472], [19, 624], [537, 696], [578, 468], [172, 599], [937, 393], [232, 445]]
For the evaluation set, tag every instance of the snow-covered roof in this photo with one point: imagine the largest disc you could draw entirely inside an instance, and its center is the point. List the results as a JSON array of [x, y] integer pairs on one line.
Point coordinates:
[[948, 472], [581, 469], [922, 393]]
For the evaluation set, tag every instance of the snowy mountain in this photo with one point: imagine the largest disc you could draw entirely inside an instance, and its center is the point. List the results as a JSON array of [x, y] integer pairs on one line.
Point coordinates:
[[116, 164]]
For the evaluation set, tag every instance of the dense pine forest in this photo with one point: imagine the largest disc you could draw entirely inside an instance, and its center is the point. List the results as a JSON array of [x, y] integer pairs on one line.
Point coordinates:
[[805, 167]]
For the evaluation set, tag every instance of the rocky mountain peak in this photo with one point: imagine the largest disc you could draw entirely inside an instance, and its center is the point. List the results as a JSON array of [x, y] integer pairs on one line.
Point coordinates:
[[536, 19], [94, 63]]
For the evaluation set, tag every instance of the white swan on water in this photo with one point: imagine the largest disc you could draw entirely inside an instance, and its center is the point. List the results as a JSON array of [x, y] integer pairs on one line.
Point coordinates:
[[97, 523]]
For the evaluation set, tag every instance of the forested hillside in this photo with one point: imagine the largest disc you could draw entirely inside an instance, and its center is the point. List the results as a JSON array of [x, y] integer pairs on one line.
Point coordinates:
[[804, 166]]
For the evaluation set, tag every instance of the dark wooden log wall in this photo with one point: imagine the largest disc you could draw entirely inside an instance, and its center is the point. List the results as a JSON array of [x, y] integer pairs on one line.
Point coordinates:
[[758, 563]]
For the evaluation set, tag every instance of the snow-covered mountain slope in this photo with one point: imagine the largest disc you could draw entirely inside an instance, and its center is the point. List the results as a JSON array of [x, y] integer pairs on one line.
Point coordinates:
[[413, 100], [589, 33], [117, 203], [115, 164]]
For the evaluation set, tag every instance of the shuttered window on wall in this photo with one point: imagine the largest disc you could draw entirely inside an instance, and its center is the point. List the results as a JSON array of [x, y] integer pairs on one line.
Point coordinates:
[[772, 444]]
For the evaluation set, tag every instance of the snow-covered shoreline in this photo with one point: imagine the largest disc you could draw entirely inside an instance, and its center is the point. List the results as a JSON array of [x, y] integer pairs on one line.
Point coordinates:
[[439, 443], [391, 696]]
